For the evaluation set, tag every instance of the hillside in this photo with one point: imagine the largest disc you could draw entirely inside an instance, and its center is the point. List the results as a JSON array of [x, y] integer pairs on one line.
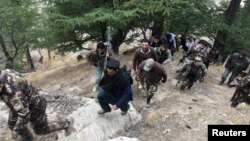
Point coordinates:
[[174, 115]]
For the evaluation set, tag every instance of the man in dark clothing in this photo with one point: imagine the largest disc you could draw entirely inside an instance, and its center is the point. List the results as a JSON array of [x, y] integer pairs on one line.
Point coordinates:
[[237, 63], [171, 38], [213, 56], [142, 54], [163, 54], [115, 89], [27, 105], [154, 74], [155, 41]]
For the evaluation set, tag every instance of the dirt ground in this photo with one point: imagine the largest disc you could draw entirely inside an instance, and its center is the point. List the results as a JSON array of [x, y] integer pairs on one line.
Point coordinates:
[[174, 115]]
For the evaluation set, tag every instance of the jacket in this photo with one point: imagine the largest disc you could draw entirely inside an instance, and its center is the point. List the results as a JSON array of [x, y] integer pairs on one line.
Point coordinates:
[[235, 63], [118, 86], [155, 75], [141, 56]]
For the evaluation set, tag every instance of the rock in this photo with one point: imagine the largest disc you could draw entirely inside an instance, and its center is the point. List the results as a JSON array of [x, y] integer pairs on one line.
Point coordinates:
[[124, 139], [93, 127], [188, 126], [194, 100]]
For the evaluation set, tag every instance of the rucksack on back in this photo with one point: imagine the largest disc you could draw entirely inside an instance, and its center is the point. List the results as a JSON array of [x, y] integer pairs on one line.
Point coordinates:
[[127, 73]]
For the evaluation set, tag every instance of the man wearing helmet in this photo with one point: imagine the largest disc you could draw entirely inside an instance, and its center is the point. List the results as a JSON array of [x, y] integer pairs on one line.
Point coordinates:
[[26, 105], [193, 71]]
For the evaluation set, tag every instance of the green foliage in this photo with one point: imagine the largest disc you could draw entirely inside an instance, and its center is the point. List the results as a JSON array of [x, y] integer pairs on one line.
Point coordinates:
[[72, 18], [65, 25], [18, 25], [238, 33]]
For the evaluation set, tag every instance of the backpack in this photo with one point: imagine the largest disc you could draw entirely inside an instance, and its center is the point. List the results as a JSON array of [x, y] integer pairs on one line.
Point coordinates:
[[126, 73]]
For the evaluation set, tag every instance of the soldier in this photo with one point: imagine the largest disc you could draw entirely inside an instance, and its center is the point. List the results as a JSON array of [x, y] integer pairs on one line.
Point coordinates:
[[191, 72], [242, 91], [154, 73], [26, 105]]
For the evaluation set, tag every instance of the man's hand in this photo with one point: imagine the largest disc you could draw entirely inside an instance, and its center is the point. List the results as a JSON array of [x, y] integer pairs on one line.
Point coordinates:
[[114, 107], [137, 77], [107, 54]]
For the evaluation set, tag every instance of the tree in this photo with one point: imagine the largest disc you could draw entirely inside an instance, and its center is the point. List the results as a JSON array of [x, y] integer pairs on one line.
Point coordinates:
[[221, 37], [16, 28], [80, 21]]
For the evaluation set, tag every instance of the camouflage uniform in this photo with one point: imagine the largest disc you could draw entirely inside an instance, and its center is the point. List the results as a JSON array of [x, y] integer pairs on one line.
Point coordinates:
[[192, 73], [25, 105], [244, 84], [242, 91]]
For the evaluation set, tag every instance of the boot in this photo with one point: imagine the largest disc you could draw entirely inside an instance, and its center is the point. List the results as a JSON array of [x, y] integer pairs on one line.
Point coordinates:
[[229, 82], [222, 80], [125, 112], [102, 112]]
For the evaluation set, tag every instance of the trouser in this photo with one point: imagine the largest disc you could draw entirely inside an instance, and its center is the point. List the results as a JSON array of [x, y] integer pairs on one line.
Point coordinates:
[[98, 75], [38, 121], [151, 89], [106, 98], [191, 83], [225, 75], [142, 79]]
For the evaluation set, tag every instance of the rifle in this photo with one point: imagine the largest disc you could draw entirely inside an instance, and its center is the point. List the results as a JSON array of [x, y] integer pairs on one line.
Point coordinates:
[[109, 47]]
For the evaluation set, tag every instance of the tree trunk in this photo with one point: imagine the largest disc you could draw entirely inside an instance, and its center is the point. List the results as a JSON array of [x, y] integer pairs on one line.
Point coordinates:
[[118, 39], [49, 53], [232, 10], [219, 41], [10, 63], [103, 32], [30, 63], [157, 28], [221, 36], [10, 60]]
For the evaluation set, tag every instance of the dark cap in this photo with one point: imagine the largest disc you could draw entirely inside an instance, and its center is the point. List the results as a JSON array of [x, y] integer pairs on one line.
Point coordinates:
[[112, 63], [100, 45]]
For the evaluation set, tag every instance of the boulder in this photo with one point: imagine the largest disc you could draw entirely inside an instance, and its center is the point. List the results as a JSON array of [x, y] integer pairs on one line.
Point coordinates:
[[123, 139], [93, 127]]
